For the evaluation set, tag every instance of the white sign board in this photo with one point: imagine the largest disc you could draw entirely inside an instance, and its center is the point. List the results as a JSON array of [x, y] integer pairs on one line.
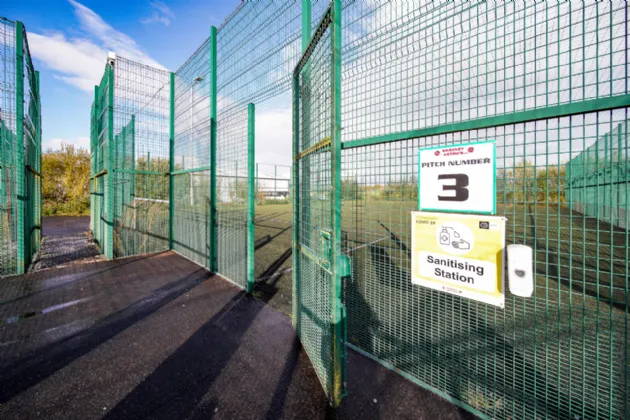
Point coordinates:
[[459, 178], [459, 254]]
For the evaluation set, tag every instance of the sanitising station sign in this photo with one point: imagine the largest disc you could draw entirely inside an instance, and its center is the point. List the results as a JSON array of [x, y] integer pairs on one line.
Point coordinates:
[[461, 254], [459, 178]]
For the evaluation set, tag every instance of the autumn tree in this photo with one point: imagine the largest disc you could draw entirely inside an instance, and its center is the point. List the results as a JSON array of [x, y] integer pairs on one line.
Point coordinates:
[[66, 181]]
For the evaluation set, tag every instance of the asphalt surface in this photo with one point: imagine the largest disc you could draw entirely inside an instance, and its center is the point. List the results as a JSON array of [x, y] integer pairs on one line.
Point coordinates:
[[65, 225], [65, 241], [158, 337]]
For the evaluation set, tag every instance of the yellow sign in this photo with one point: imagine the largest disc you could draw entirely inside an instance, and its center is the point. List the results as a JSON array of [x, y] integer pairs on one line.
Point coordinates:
[[460, 254]]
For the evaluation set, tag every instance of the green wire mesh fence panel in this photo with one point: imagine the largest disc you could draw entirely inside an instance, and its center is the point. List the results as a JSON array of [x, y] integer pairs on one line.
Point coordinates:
[[141, 158], [92, 164], [32, 161], [98, 229], [8, 137], [92, 203], [231, 191], [542, 80], [99, 155], [257, 47], [272, 184], [20, 149], [315, 282], [597, 179], [8, 148], [192, 158]]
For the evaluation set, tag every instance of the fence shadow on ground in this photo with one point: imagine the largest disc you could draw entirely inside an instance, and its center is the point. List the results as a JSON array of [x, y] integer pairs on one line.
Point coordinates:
[[180, 382], [197, 379], [272, 257], [45, 361]]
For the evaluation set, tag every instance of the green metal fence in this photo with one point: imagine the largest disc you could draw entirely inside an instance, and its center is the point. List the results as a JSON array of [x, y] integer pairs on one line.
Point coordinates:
[[545, 81], [20, 151], [131, 159], [245, 61], [191, 159], [99, 163], [597, 179], [372, 83]]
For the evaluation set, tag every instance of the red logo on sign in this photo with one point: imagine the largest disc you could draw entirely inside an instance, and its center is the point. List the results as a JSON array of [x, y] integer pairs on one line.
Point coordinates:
[[437, 153], [471, 149]]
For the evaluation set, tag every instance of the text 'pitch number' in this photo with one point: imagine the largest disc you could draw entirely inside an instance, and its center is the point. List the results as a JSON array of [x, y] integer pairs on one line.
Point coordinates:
[[461, 192]]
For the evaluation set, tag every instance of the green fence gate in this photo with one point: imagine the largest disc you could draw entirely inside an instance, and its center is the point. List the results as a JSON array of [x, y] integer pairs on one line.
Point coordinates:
[[20, 151], [319, 266]]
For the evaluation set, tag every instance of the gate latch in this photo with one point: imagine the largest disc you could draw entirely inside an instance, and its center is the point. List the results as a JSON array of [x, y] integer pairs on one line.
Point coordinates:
[[325, 255], [343, 266], [325, 248]]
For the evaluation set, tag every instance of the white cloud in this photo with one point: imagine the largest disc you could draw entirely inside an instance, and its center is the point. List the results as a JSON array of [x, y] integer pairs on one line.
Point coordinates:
[[110, 38], [80, 61], [55, 144], [161, 13], [274, 135], [155, 18]]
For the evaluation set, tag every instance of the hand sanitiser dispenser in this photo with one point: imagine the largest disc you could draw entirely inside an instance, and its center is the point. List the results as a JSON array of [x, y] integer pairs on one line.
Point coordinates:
[[520, 270]]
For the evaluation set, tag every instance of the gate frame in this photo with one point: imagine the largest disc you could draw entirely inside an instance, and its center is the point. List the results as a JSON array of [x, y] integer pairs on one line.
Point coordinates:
[[339, 266]]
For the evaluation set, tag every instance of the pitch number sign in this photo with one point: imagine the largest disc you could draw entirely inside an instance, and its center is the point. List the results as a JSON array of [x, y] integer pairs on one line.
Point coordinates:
[[459, 178]]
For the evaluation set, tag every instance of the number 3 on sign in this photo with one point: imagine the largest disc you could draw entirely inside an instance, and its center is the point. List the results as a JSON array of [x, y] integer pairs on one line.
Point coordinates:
[[458, 178], [461, 192]]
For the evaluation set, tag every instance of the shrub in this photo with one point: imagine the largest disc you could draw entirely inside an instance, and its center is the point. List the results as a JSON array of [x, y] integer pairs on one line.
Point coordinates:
[[66, 181]]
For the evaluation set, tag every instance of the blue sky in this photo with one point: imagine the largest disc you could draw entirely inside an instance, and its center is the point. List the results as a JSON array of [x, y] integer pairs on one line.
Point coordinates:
[[69, 41]]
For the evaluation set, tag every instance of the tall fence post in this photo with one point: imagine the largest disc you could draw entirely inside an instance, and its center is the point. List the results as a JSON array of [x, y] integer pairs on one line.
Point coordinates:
[[171, 164], [19, 149], [111, 151], [213, 151], [251, 212]]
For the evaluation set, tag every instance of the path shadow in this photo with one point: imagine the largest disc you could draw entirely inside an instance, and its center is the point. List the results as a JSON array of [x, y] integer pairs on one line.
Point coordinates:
[[178, 385], [118, 265], [276, 408], [266, 282], [259, 243], [30, 370], [397, 240], [389, 273], [267, 239], [274, 266]]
